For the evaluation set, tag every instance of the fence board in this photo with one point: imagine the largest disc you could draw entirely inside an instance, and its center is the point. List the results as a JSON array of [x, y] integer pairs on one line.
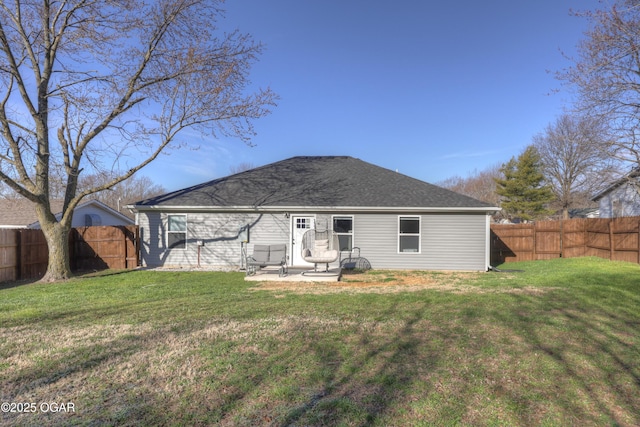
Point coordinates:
[[24, 253], [598, 238], [98, 248], [617, 239], [548, 238], [511, 242], [624, 235], [8, 255], [34, 254], [132, 239], [574, 238]]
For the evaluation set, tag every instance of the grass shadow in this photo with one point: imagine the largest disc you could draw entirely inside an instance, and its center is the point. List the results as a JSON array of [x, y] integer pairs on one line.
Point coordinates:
[[357, 390], [16, 283], [588, 346], [111, 402]]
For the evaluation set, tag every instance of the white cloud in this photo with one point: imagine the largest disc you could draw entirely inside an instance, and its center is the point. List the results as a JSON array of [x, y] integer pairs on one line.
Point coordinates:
[[470, 154]]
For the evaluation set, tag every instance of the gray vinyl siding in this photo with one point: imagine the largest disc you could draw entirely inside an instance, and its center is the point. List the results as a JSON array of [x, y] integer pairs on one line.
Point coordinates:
[[219, 233], [447, 242], [621, 201]]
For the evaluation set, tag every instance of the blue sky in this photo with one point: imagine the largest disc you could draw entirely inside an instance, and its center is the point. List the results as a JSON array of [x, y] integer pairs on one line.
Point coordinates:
[[432, 89]]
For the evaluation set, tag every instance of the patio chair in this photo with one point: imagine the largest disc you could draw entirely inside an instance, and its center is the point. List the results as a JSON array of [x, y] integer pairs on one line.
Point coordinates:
[[267, 255], [353, 262], [320, 247]]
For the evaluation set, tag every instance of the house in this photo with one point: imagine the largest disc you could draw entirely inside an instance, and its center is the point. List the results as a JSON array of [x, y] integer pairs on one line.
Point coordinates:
[[621, 198], [21, 213], [395, 221]]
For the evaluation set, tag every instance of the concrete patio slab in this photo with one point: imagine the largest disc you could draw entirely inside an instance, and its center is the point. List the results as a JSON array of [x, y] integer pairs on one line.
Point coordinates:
[[270, 274]]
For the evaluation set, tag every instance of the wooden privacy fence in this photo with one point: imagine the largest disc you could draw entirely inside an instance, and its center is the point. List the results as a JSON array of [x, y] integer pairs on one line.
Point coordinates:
[[612, 238], [24, 253]]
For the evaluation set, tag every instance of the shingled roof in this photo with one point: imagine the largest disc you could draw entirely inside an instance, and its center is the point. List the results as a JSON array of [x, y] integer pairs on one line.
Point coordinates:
[[18, 213], [315, 182]]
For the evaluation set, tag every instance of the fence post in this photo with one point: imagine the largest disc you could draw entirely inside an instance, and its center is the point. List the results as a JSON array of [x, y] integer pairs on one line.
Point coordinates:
[[18, 254], [585, 237], [611, 247], [561, 238], [535, 242], [23, 237], [123, 230]]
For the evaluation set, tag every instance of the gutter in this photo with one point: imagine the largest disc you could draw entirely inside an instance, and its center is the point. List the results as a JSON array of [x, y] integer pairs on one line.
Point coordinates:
[[320, 209]]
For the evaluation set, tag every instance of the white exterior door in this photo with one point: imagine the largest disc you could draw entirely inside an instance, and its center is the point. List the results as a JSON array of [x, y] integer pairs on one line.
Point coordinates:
[[299, 226]]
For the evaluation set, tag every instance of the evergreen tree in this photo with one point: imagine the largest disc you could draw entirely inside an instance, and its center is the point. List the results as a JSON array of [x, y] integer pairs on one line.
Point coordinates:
[[523, 190]]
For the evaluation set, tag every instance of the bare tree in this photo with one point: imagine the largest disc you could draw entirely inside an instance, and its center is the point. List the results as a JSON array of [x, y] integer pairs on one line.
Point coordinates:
[[606, 75], [575, 158], [480, 185], [105, 86], [123, 193], [241, 167]]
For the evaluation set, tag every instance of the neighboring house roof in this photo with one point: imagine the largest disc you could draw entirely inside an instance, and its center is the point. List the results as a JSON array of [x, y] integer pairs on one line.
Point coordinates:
[[315, 182], [633, 175], [21, 213]]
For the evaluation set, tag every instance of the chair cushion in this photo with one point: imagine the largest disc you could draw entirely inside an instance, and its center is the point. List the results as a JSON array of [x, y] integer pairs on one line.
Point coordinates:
[[278, 253], [260, 253], [321, 256], [320, 245]]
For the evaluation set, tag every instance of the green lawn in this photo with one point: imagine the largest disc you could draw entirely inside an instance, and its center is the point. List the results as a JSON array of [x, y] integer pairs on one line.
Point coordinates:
[[555, 345]]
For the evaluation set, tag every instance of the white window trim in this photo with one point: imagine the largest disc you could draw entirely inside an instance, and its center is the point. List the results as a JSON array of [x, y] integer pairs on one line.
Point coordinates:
[[186, 231], [419, 234], [352, 234]]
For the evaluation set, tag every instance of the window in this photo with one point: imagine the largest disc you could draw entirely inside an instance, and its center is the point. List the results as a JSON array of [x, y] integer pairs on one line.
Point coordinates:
[[343, 227], [177, 232], [92, 219], [409, 234]]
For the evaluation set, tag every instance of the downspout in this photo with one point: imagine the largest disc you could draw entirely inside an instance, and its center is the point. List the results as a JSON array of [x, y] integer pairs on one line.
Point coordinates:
[[487, 255]]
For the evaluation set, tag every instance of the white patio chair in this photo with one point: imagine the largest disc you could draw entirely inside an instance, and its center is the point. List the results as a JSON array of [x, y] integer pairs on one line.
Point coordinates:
[[320, 247]]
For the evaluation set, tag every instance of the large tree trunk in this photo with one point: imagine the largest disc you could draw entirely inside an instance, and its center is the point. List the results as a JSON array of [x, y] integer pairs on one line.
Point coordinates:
[[57, 236]]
